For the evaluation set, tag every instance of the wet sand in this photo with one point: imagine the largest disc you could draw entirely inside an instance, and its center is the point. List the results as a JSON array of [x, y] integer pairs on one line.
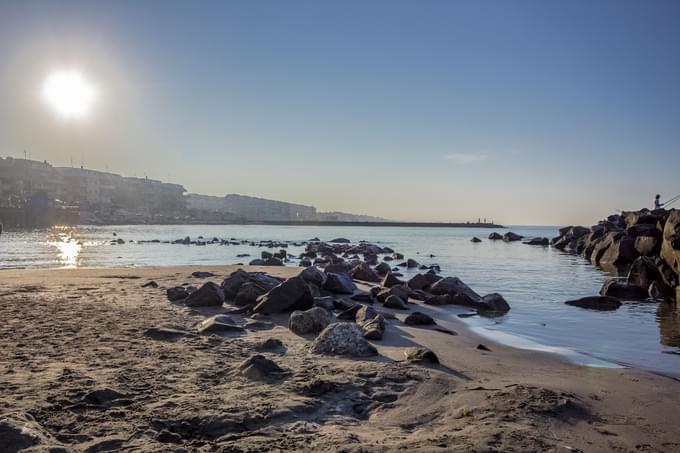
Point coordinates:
[[90, 361]]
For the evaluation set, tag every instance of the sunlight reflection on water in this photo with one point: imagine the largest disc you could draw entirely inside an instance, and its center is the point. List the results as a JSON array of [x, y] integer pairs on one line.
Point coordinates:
[[67, 245]]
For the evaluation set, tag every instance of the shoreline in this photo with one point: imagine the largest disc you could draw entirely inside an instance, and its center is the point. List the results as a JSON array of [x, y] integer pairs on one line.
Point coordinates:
[[94, 339]]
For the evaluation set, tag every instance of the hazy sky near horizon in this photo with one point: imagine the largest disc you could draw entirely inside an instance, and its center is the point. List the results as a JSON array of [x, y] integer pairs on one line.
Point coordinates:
[[527, 112]]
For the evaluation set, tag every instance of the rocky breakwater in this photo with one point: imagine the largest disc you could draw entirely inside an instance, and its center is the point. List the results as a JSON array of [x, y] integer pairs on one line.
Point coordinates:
[[643, 246]]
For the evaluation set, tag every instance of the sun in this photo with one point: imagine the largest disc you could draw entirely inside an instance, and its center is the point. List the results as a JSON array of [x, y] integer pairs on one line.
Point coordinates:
[[69, 93]]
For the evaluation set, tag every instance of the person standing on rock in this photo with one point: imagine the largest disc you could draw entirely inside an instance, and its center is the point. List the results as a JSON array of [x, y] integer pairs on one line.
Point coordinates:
[[657, 202]]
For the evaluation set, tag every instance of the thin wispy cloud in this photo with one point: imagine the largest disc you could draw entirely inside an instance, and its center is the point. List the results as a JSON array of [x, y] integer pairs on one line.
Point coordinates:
[[465, 158]]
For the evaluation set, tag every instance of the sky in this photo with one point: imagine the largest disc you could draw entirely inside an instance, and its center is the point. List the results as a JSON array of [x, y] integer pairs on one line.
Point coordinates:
[[524, 112]]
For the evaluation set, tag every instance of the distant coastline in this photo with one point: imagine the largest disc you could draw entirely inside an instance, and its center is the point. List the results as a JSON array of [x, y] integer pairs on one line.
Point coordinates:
[[334, 223]]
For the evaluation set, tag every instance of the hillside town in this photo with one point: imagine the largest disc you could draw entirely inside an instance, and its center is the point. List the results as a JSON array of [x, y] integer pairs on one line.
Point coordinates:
[[35, 193]]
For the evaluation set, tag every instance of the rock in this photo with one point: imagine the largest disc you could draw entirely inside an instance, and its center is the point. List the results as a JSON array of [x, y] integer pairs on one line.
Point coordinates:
[[208, 295], [670, 247], [325, 302], [647, 245], [270, 344], [343, 339], [338, 268], [390, 280], [420, 355], [362, 297], [494, 302], [538, 241], [339, 283], [622, 290], [365, 313], [476, 239], [512, 237], [401, 291], [643, 272], [658, 290], [200, 274], [365, 273], [273, 261], [395, 302], [453, 285], [602, 303], [260, 368], [442, 299], [382, 269], [150, 284], [340, 241], [18, 432], [418, 281], [313, 275], [313, 320], [619, 253], [164, 334], [305, 262], [411, 263], [350, 313], [291, 294], [176, 294], [374, 329], [248, 294], [231, 284], [219, 324], [495, 236], [419, 319]]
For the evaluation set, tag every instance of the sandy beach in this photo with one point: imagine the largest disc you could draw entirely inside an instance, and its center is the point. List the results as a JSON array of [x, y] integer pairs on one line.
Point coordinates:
[[92, 361]]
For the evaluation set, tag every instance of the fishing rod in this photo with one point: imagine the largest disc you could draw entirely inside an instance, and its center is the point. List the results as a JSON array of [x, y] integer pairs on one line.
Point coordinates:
[[672, 200]]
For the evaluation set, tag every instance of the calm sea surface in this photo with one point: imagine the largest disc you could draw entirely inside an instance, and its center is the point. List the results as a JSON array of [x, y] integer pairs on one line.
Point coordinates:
[[535, 280]]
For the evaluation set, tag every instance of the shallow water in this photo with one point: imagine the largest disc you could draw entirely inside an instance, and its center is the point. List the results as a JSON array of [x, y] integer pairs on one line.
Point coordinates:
[[535, 280]]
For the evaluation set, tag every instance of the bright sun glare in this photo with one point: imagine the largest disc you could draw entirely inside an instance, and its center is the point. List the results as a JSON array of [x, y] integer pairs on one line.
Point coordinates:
[[69, 93]]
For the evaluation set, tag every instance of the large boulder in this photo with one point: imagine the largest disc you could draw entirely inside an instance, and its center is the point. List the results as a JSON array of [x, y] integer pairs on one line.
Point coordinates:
[[291, 294], [365, 273], [339, 283], [343, 338], [208, 295], [621, 290], [619, 253], [453, 285], [602, 303], [494, 303], [670, 247], [647, 245], [495, 236], [401, 291], [313, 320], [643, 272]]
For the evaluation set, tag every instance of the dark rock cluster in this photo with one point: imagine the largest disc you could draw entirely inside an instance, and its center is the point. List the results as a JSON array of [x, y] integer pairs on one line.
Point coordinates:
[[642, 245]]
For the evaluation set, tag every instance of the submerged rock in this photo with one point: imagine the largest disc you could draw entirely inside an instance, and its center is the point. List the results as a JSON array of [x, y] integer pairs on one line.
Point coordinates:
[[495, 236], [512, 237], [343, 339], [475, 239], [602, 303]]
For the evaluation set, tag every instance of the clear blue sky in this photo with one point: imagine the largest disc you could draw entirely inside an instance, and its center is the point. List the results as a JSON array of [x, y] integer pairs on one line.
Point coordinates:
[[538, 112]]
